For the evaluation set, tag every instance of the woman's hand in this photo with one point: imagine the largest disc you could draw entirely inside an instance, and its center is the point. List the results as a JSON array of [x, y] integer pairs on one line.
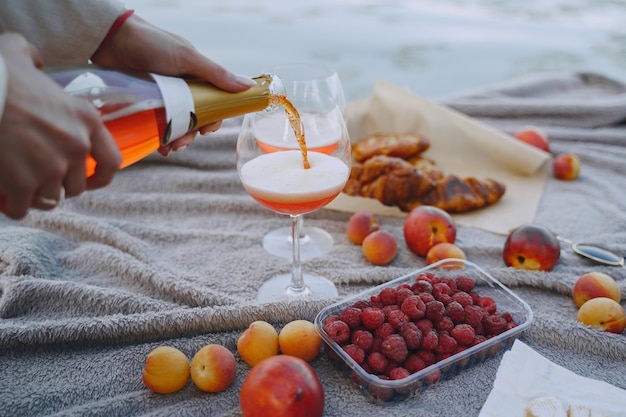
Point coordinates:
[[140, 46], [46, 136]]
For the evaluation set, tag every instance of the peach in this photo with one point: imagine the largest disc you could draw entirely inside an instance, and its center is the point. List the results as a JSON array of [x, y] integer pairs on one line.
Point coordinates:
[[425, 226], [533, 247], [445, 250], [603, 313], [300, 338], [380, 247], [166, 370], [595, 284], [213, 368], [360, 225], [566, 166], [282, 386], [533, 136], [257, 342]]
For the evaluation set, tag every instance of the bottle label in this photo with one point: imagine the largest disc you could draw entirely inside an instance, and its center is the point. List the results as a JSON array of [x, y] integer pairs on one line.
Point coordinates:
[[179, 107]]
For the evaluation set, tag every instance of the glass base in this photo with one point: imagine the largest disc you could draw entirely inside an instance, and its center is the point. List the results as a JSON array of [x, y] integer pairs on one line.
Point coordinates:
[[314, 242], [277, 288]]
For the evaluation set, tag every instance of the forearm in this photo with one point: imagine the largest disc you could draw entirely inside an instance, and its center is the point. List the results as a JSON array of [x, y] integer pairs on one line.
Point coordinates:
[[64, 31]]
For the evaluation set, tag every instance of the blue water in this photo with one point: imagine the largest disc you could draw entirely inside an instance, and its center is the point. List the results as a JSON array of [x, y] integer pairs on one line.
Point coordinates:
[[433, 48]]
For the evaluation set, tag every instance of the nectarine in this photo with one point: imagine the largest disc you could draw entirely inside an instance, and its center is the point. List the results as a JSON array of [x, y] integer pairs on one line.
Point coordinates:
[[533, 247], [257, 342], [380, 247], [425, 226], [300, 338], [566, 166], [533, 136], [166, 370], [360, 225], [213, 368], [603, 313], [595, 284], [282, 386]]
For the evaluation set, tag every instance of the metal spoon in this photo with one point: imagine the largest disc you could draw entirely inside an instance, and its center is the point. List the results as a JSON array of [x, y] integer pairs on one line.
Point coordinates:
[[595, 253]]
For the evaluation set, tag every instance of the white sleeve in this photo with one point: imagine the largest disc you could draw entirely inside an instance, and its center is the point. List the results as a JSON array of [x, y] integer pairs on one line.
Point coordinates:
[[4, 79], [65, 32]]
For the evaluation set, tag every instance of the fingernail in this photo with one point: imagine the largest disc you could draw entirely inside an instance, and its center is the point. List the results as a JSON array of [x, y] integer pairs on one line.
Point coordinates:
[[243, 80]]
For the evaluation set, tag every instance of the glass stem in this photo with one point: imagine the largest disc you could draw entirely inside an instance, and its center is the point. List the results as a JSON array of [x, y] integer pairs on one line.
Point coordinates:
[[297, 280], [301, 232]]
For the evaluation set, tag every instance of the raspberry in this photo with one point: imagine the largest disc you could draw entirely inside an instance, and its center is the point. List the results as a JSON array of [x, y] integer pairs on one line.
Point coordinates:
[[510, 325], [456, 312], [425, 325], [363, 339], [474, 316], [447, 343], [507, 316], [338, 331], [441, 288], [402, 295], [411, 335], [430, 340], [389, 308], [397, 318], [433, 377], [487, 304], [362, 304], [427, 276], [444, 324], [377, 362], [426, 297], [372, 317], [462, 298], [463, 333], [428, 356], [388, 296], [414, 307], [444, 298], [494, 324], [478, 339], [414, 363], [351, 316], [394, 348], [434, 310], [375, 301], [422, 286], [442, 355], [398, 373], [383, 331], [330, 319], [355, 353], [475, 296], [450, 282], [464, 283]]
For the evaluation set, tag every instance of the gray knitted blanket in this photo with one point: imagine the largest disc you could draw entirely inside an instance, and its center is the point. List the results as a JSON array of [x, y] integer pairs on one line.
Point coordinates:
[[170, 253]]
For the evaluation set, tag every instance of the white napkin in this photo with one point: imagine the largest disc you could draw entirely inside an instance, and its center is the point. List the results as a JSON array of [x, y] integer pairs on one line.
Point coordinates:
[[524, 375]]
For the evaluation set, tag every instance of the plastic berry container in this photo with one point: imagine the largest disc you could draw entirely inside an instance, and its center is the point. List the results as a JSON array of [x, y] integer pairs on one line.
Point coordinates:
[[377, 388]]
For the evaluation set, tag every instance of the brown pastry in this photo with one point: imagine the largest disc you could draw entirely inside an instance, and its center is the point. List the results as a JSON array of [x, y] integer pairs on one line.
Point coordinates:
[[396, 182], [427, 166], [401, 145]]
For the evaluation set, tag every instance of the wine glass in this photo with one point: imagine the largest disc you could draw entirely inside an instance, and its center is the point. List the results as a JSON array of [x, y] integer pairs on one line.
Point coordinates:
[[300, 78], [272, 157]]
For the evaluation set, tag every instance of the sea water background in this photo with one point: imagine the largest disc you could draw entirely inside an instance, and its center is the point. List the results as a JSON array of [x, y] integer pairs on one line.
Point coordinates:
[[434, 48]]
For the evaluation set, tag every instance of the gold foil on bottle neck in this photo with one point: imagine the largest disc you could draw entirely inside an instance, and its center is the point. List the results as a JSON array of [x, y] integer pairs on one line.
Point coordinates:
[[213, 104]]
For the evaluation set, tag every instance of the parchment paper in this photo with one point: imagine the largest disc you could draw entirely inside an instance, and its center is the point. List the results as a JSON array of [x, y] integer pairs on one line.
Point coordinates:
[[460, 145]]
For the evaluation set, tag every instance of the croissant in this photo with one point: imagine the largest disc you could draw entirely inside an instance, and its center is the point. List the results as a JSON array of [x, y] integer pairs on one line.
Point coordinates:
[[396, 182], [402, 145]]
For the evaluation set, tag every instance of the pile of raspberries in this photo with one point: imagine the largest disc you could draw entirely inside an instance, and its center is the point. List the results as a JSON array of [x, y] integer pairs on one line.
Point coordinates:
[[407, 328]]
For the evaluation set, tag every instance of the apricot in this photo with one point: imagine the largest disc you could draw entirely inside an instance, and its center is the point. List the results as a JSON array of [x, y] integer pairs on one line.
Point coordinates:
[[533, 247], [566, 166], [257, 342], [603, 313], [300, 338], [445, 250], [166, 370], [213, 368], [380, 247], [360, 225], [595, 284]]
